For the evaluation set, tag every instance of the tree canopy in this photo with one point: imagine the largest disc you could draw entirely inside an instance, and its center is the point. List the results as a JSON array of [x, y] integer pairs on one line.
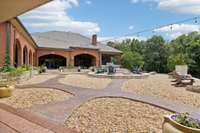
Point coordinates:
[[155, 54]]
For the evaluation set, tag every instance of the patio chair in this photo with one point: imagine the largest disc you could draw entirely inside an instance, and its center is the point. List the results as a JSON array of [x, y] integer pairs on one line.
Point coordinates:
[[182, 80], [99, 70], [136, 70]]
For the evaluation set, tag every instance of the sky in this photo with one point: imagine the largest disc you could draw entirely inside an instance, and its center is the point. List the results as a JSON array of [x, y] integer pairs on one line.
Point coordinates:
[[111, 19]]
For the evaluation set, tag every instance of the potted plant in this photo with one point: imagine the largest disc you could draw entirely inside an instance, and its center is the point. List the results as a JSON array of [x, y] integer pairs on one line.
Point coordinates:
[[181, 123], [6, 90]]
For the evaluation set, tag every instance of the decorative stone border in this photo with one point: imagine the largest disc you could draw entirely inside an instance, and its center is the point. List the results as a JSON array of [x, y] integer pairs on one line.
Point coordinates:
[[23, 77], [92, 74]]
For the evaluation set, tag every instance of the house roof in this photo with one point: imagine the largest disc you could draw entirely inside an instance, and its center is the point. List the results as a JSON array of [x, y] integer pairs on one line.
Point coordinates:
[[68, 40]]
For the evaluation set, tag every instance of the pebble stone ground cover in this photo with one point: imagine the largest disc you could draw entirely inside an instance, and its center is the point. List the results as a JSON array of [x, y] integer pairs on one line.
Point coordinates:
[[116, 115], [160, 85], [84, 81], [107, 114], [26, 98]]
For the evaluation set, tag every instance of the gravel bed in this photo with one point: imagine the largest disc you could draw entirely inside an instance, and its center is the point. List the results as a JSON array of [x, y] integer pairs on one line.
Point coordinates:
[[161, 86], [85, 82], [39, 79], [25, 98], [116, 115]]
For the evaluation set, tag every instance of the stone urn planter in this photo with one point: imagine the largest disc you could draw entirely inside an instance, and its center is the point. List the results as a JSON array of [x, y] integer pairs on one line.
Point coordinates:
[[171, 126], [6, 91]]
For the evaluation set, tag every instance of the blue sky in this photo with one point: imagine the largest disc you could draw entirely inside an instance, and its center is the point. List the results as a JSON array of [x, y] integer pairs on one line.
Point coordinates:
[[113, 18]]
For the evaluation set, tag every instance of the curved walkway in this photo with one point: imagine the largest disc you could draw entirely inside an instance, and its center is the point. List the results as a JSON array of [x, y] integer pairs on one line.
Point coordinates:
[[59, 111]]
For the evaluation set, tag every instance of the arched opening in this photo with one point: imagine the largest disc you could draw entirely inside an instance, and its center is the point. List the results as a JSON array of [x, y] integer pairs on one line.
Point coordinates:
[[84, 60], [17, 52], [30, 58], [52, 61], [25, 55]]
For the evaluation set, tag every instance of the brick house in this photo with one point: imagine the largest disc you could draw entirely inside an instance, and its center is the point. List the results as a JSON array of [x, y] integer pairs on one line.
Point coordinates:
[[53, 48]]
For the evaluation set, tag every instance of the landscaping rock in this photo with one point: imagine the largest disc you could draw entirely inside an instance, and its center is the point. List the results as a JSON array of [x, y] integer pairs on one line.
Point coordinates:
[[25, 98], [116, 115], [84, 81], [161, 86]]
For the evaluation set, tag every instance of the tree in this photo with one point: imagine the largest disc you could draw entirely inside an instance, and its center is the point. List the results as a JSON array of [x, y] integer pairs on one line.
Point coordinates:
[[155, 55], [130, 59], [194, 66]]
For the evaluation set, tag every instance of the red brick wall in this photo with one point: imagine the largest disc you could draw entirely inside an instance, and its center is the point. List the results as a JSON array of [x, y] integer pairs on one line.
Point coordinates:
[[92, 52], [16, 36], [2, 43], [69, 55], [47, 51]]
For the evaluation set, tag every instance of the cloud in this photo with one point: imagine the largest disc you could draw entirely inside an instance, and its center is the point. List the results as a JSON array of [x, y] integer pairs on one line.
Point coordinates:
[[119, 39], [181, 6], [134, 1], [88, 2], [131, 27], [176, 30], [53, 16]]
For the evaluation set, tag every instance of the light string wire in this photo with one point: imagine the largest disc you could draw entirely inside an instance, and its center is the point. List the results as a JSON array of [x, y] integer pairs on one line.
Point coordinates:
[[195, 19]]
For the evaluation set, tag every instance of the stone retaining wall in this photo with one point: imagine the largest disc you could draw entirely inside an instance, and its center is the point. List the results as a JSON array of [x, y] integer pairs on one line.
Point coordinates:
[[23, 77]]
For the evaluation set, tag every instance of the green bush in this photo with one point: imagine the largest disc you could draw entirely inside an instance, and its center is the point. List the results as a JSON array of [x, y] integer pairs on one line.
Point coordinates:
[[7, 69], [179, 59], [130, 59], [20, 70]]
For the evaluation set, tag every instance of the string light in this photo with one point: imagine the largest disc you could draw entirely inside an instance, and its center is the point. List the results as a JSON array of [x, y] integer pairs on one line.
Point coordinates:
[[171, 27], [155, 29], [195, 20]]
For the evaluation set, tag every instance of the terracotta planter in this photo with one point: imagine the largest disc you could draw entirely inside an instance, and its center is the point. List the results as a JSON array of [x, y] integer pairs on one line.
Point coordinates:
[[171, 126], [6, 91]]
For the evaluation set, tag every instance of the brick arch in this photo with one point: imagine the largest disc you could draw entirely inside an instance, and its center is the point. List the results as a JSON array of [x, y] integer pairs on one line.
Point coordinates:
[[50, 53], [17, 53], [92, 52], [52, 61], [25, 55], [85, 60], [87, 53]]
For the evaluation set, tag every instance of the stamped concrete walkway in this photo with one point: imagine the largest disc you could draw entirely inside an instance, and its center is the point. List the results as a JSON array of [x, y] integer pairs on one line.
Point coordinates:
[[59, 111], [13, 121]]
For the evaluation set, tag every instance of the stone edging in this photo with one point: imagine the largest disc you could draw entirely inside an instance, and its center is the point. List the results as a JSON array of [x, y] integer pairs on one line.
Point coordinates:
[[118, 77]]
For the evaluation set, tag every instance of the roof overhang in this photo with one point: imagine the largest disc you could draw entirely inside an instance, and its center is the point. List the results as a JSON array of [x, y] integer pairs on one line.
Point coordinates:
[[12, 8], [111, 53]]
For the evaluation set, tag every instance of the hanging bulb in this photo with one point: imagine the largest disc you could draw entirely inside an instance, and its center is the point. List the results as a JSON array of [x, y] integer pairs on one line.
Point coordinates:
[[195, 20], [171, 27]]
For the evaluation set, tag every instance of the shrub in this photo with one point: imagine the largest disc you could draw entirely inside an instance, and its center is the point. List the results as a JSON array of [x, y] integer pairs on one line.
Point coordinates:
[[179, 59], [130, 60], [6, 69], [42, 69]]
